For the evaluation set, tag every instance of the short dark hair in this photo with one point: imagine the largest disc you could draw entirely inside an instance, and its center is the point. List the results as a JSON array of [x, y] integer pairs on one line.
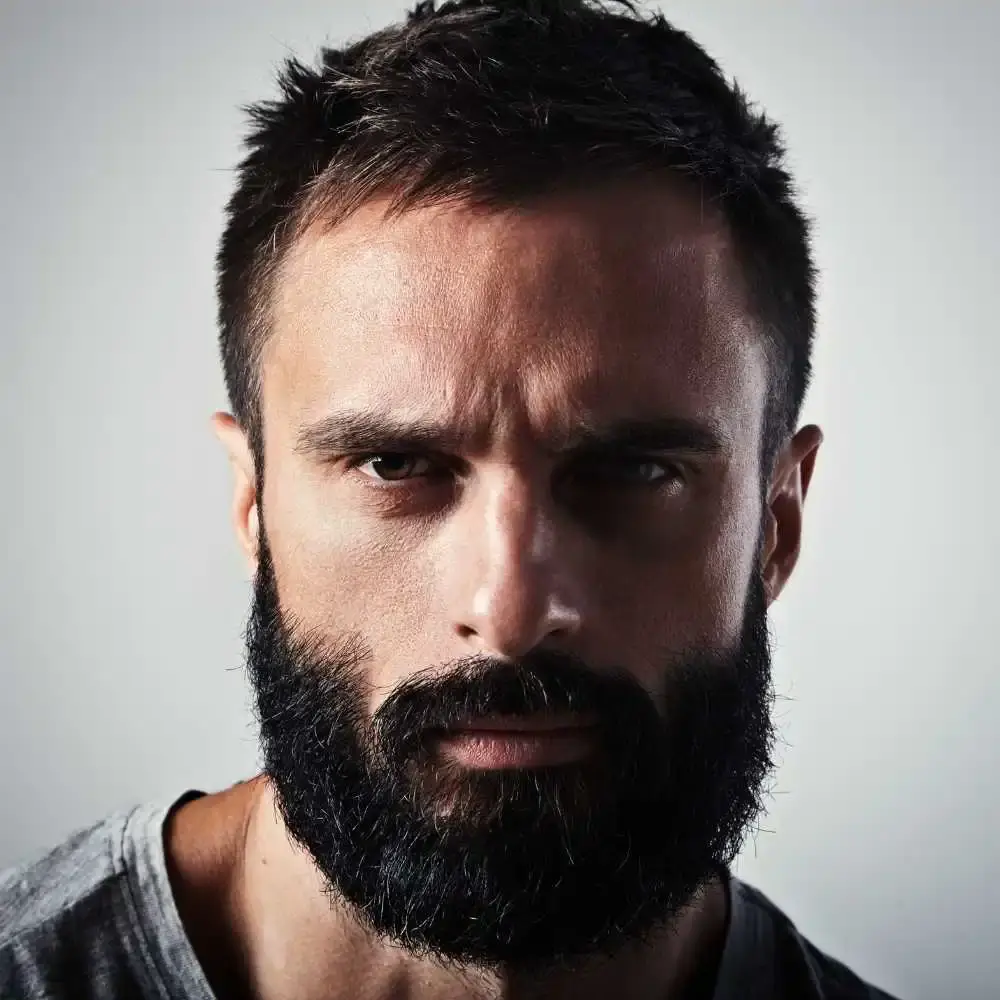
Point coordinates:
[[488, 101]]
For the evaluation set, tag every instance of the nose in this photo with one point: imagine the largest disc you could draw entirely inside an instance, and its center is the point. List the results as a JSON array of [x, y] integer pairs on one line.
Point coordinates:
[[512, 589]]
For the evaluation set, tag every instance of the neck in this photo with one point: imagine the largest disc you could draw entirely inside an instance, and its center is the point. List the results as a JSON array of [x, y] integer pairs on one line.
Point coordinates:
[[288, 936]]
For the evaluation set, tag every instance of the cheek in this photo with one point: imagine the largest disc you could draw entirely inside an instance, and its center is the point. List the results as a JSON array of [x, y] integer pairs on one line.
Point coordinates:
[[690, 595], [338, 569], [720, 577], [722, 584]]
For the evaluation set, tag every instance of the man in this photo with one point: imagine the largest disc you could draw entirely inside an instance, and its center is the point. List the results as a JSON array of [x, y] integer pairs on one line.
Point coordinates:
[[516, 317]]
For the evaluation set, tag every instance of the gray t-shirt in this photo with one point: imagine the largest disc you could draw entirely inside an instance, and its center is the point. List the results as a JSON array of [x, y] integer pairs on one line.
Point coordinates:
[[96, 918]]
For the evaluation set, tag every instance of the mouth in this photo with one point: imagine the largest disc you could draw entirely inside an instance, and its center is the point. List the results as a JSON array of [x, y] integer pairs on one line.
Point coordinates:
[[520, 741]]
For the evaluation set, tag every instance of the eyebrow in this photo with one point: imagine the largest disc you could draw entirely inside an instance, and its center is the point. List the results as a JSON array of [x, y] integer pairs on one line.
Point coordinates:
[[355, 432]]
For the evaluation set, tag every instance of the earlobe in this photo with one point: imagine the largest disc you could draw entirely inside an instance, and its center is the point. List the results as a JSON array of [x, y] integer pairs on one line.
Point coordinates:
[[253, 546], [783, 534], [768, 546], [245, 519], [244, 509]]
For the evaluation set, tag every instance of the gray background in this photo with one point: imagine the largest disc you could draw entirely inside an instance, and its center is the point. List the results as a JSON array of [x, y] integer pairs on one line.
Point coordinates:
[[123, 598]]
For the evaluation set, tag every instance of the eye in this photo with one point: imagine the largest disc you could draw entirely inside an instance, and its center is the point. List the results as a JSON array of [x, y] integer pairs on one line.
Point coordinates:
[[639, 472], [393, 467]]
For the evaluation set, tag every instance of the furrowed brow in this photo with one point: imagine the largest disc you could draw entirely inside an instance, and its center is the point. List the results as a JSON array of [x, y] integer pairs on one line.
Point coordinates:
[[352, 432], [660, 434]]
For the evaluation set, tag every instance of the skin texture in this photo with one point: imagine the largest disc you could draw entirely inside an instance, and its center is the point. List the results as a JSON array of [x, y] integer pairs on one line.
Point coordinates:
[[507, 329]]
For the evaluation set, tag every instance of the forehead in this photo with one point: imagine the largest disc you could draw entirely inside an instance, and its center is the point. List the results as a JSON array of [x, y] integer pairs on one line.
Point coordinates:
[[597, 304]]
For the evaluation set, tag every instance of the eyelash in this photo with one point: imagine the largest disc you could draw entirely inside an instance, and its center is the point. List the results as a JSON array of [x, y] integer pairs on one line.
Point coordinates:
[[673, 472]]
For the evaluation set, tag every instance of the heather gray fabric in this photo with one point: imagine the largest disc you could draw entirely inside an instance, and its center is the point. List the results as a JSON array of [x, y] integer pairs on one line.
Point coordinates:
[[95, 918]]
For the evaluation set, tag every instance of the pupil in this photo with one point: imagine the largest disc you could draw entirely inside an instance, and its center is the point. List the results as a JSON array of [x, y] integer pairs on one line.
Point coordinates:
[[390, 465]]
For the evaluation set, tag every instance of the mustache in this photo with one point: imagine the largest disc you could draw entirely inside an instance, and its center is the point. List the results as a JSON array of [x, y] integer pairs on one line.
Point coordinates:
[[543, 681]]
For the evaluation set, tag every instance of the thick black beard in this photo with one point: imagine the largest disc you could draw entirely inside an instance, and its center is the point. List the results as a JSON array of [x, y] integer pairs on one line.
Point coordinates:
[[526, 869]]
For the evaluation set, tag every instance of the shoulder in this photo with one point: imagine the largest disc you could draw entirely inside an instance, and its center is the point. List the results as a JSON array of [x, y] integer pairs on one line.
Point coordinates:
[[68, 921], [800, 969], [67, 878]]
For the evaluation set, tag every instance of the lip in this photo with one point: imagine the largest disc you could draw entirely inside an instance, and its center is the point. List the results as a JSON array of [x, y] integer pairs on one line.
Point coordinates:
[[510, 742]]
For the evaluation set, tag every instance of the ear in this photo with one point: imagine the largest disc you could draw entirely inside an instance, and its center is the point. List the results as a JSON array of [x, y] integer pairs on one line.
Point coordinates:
[[793, 470], [244, 510]]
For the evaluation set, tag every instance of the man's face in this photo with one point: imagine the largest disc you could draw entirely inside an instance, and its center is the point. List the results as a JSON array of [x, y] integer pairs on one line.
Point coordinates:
[[512, 470]]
